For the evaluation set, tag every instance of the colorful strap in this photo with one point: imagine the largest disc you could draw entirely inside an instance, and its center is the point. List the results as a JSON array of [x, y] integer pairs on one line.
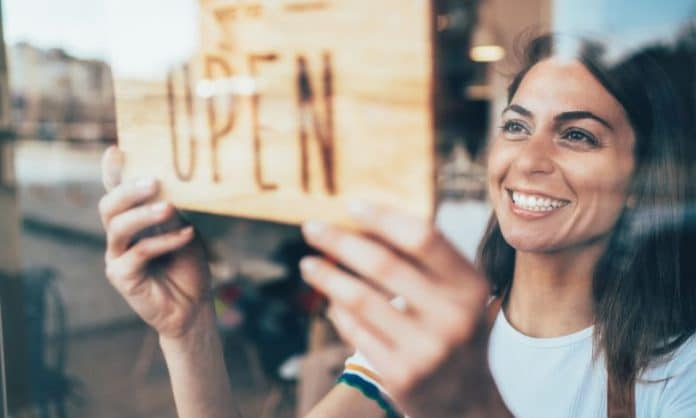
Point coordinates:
[[370, 391]]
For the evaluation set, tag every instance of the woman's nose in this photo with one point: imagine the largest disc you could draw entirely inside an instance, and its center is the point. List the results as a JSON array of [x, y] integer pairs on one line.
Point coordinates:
[[536, 155]]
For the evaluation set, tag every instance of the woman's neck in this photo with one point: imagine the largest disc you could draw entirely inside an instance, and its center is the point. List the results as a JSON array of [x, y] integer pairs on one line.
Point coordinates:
[[551, 293]]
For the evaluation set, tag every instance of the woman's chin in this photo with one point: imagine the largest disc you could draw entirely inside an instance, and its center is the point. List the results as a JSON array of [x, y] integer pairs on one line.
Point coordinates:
[[529, 242]]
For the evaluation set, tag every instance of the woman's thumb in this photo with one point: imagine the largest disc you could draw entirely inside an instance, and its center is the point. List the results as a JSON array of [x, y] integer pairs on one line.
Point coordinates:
[[112, 167]]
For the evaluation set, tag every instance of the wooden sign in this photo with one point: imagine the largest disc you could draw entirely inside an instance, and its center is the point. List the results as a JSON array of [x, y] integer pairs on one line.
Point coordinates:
[[280, 109]]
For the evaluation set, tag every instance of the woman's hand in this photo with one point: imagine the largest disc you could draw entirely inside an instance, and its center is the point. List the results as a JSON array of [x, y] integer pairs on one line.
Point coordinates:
[[164, 277], [431, 356]]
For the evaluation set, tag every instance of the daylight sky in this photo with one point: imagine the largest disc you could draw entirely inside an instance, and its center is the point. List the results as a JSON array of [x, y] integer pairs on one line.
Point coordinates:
[[158, 27], [75, 25], [625, 24], [143, 33]]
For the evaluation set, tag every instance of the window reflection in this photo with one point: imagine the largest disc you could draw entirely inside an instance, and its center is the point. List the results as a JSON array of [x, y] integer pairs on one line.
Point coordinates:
[[75, 348]]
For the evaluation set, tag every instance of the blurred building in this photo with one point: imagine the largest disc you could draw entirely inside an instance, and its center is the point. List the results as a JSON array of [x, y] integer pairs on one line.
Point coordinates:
[[59, 97]]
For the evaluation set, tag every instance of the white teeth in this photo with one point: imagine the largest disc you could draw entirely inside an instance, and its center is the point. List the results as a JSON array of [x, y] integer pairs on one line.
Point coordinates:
[[536, 203]]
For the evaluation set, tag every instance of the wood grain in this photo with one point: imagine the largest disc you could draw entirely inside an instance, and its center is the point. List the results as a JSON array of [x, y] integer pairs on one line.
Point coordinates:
[[340, 108]]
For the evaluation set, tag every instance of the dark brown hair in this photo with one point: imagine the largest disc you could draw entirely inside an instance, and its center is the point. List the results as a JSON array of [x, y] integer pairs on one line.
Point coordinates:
[[644, 291]]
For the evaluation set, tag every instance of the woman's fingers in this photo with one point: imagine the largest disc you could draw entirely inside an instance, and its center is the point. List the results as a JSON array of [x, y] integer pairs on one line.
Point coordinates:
[[124, 227], [380, 354], [382, 266], [125, 272], [449, 308], [441, 322], [377, 322], [413, 236], [124, 197], [112, 167], [401, 366], [398, 367], [367, 304]]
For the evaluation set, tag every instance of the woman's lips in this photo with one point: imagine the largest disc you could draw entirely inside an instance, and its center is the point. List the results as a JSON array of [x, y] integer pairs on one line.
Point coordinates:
[[534, 205]]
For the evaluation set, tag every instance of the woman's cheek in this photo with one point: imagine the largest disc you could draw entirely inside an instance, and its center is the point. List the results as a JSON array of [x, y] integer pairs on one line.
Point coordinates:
[[601, 186], [499, 158]]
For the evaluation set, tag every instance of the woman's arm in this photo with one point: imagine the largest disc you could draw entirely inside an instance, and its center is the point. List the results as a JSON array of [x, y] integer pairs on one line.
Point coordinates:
[[432, 353], [170, 293], [345, 402], [197, 371], [201, 386]]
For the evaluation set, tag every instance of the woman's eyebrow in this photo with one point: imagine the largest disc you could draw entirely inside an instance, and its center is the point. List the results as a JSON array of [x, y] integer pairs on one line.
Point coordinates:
[[519, 109], [561, 117], [581, 114]]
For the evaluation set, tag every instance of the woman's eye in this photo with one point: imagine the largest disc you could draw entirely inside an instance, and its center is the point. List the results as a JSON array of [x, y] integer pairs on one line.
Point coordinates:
[[514, 128], [580, 136]]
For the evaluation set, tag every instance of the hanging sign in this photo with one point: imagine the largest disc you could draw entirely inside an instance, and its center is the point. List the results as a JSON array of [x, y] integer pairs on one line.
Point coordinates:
[[277, 109]]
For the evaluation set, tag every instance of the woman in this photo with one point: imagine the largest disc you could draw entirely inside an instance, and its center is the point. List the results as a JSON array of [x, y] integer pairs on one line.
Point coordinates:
[[584, 252]]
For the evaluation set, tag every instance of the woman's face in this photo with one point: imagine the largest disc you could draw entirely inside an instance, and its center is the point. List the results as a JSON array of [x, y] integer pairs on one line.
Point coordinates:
[[560, 165]]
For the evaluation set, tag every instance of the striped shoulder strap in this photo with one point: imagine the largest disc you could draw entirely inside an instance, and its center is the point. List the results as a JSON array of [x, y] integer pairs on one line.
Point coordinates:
[[621, 401]]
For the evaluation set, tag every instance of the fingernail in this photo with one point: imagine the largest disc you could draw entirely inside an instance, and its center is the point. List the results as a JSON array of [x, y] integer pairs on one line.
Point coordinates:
[[313, 228], [186, 231], [359, 209], [115, 177], [145, 184], [308, 265], [159, 207]]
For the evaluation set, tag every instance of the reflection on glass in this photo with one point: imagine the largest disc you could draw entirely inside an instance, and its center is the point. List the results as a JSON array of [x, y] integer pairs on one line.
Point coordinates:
[[88, 354]]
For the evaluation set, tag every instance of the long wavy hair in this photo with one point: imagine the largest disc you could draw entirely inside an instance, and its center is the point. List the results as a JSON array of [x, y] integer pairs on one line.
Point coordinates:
[[644, 285]]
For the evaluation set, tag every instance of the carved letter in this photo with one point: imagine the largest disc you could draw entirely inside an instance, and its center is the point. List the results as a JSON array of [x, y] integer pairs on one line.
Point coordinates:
[[183, 176], [255, 103], [216, 135], [324, 134]]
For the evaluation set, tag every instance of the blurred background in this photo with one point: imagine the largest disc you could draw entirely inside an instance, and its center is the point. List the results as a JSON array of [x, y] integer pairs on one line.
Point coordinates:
[[72, 346]]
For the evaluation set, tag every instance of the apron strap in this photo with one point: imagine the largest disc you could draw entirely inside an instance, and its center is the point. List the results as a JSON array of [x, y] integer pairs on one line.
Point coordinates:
[[492, 312]]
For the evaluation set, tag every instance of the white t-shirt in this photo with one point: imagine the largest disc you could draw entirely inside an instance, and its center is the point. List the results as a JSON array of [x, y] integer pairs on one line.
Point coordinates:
[[557, 377]]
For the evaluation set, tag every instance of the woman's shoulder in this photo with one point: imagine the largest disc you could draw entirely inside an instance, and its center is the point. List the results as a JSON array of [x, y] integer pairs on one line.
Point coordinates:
[[667, 388], [680, 362]]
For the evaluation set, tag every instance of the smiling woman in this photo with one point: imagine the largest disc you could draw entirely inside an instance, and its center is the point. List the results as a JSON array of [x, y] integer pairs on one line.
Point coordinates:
[[585, 251], [611, 143]]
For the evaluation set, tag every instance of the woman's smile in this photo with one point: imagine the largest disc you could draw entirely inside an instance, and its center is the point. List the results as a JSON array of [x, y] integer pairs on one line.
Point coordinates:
[[528, 204]]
